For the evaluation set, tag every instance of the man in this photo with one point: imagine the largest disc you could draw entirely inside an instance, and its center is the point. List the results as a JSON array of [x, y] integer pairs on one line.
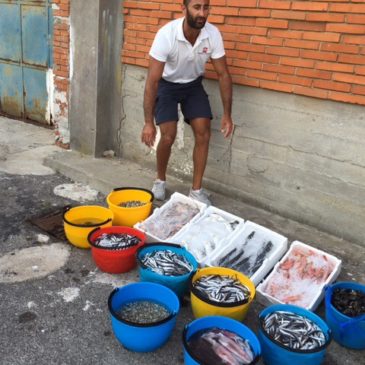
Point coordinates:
[[178, 56]]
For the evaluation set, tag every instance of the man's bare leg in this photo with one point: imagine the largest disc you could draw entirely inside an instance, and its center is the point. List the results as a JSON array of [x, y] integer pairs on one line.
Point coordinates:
[[201, 129], [168, 134]]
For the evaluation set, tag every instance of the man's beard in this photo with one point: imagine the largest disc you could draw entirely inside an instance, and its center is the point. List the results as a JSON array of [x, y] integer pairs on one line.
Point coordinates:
[[197, 23]]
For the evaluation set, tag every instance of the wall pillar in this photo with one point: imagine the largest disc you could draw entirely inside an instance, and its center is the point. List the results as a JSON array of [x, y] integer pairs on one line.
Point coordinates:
[[95, 73]]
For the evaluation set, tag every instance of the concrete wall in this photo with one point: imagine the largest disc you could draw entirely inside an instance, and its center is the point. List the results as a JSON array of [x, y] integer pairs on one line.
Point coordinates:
[[301, 157]]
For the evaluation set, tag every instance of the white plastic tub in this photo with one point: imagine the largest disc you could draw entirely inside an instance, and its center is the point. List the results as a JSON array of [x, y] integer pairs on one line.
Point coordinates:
[[209, 233], [300, 277], [159, 229], [261, 237]]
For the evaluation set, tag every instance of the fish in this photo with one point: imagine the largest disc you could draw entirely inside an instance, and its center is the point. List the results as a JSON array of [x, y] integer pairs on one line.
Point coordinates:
[[216, 346], [222, 289], [293, 330], [132, 204], [116, 240], [167, 262]]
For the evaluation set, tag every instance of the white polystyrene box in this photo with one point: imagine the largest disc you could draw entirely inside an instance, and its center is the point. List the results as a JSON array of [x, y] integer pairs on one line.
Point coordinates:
[[175, 197], [266, 299], [280, 246], [183, 237]]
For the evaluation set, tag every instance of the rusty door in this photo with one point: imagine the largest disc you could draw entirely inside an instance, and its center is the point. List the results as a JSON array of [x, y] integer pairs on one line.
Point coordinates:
[[25, 58]]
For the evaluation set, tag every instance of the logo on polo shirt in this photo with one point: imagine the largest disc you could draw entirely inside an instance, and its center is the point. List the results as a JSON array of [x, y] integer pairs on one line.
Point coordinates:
[[205, 49]]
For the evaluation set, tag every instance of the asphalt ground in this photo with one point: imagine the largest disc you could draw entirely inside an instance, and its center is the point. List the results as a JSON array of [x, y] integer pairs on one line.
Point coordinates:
[[53, 299]]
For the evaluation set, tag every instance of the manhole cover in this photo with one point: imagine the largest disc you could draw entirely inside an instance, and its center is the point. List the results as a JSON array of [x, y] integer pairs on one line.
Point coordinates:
[[52, 223]]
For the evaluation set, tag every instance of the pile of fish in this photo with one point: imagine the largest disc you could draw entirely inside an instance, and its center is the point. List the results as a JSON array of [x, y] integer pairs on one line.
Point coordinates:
[[222, 289], [170, 219], [144, 311], [248, 256], [120, 241], [205, 235], [215, 346], [349, 302], [300, 277], [166, 262], [132, 204], [293, 330]]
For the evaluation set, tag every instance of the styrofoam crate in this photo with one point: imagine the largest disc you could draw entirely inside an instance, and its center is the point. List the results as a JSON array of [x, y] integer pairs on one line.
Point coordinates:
[[315, 297], [175, 197], [280, 246], [193, 231]]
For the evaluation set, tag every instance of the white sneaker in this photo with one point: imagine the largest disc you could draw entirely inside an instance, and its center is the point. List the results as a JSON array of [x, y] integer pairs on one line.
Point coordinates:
[[159, 189], [200, 195]]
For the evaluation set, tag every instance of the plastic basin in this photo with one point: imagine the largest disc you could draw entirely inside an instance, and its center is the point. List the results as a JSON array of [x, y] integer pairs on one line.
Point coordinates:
[[125, 216], [223, 323], [202, 307], [274, 353], [111, 260], [143, 337], [78, 222], [179, 284], [347, 331]]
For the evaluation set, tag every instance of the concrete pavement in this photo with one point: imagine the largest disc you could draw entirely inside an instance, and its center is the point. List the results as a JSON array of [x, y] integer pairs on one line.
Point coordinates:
[[61, 317]]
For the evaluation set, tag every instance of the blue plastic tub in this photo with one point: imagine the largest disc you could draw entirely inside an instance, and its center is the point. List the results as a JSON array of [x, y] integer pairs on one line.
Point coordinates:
[[143, 337], [223, 323], [179, 284], [347, 331], [274, 353]]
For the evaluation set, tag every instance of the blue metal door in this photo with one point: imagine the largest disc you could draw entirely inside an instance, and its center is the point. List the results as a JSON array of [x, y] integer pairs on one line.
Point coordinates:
[[25, 57]]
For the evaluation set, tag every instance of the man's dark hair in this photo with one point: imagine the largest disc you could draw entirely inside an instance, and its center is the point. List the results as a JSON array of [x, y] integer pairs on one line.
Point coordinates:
[[186, 2]]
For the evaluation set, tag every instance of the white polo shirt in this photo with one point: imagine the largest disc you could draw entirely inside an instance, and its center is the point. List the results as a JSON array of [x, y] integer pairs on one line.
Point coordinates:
[[184, 62]]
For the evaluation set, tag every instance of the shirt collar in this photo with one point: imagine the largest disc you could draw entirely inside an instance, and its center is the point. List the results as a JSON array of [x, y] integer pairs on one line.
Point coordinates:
[[180, 33]]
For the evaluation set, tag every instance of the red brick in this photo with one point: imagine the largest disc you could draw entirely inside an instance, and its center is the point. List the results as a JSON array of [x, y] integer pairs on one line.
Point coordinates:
[[358, 89], [322, 36], [233, 37], [141, 5], [170, 7], [292, 34], [324, 56], [243, 80], [309, 5], [340, 48], [348, 8], [288, 14], [307, 91], [330, 66], [355, 59], [263, 58], [360, 70], [251, 47], [290, 61], [240, 21], [347, 98], [268, 41], [224, 10], [278, 86], [296, 43], [243, 64], [353, 39], [283, 51], [238, 3], [314, 26], [280, 69], [325, 17], [313, 73], [261, 75], [262, 13], [331, 85], [272, 23], [294, 80], [270, 4], [345, 28], [355, 18], [353, 79]]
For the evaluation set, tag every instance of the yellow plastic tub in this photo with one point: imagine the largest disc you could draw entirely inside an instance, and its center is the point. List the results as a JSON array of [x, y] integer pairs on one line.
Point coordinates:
[[129, 216], [78, 222], [202, 307]]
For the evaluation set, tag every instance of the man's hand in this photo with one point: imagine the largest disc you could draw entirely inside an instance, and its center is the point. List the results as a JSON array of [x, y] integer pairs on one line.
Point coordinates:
[[227, 126], [148, 134]]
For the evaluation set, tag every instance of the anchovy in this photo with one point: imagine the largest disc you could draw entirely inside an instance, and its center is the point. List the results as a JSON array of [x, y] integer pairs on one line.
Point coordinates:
[[222, 289], [167, 262], [293, 330], [132, 204], [116, 240]]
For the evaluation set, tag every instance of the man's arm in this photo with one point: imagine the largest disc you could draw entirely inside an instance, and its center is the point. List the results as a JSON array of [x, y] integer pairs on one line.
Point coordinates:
[[225, 87], [155, 71]]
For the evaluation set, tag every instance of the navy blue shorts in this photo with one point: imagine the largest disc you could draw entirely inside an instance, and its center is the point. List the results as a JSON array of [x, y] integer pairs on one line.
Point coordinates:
[[191, 96]]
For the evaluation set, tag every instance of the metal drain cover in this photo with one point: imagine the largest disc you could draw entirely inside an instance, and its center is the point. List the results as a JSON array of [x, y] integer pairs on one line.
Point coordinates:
[[51, 222]]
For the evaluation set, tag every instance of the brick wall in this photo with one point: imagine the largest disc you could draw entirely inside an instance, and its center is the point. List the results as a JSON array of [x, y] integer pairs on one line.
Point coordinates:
[[312, 48], [61, 69]]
